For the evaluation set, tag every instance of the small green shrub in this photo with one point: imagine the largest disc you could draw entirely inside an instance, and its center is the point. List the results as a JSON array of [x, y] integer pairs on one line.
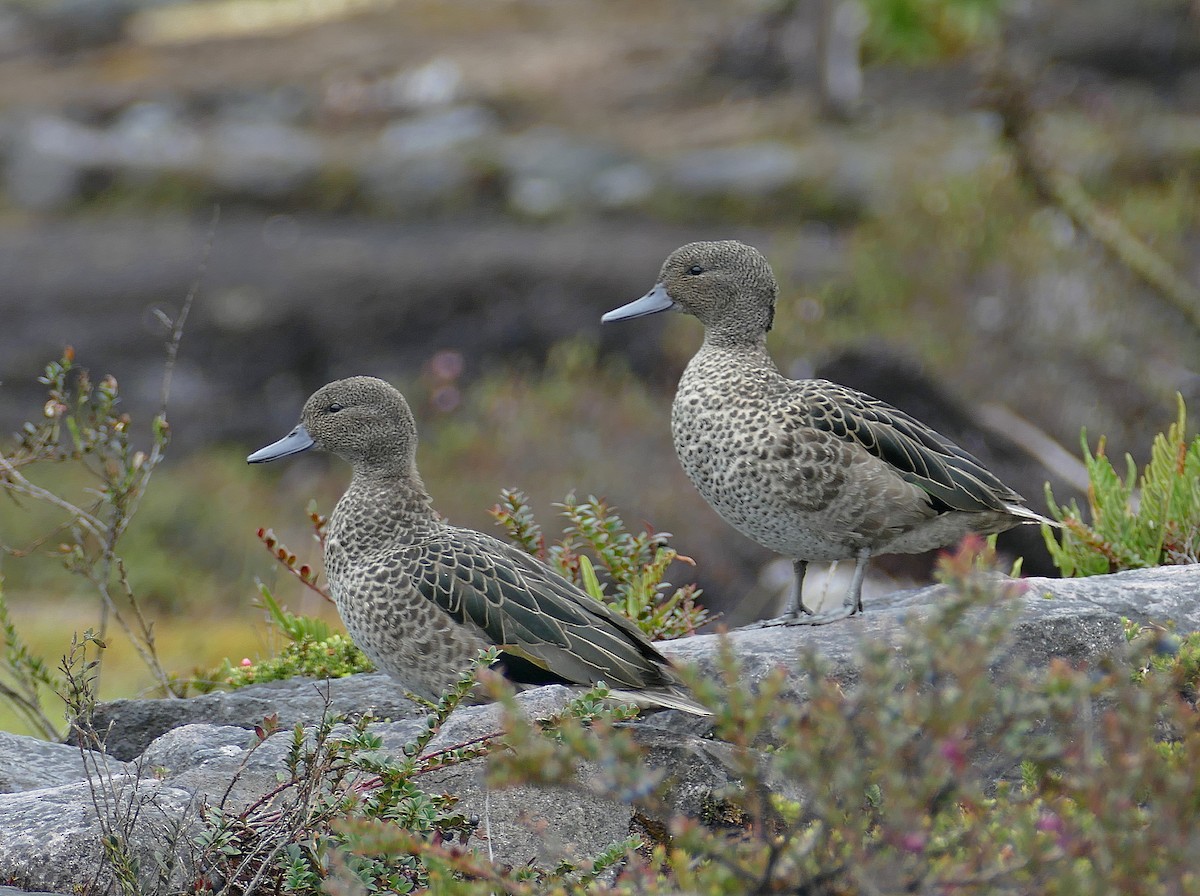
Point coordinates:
[[1167, 654], [25, 678], [313, 650], [1136, 522], [348, 818], [292, 837], [633, 563], [335, 656], [924, 30]]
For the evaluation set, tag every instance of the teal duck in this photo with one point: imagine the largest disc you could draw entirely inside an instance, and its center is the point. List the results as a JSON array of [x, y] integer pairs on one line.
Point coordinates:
[[809, 469], [422, 598]]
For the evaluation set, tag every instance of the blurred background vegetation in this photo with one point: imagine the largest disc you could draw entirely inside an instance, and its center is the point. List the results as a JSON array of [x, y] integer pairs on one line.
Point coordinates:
[[984, 211]]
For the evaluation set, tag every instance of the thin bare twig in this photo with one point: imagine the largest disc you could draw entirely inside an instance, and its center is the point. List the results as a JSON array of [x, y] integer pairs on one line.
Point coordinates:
[[23, 486]]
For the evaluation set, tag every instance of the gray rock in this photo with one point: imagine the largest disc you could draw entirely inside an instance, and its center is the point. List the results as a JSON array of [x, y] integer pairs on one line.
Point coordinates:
[[130, 725], [1075, 629], [518, 824], [695, 768], [1162, 595], [550, 171], [622, 186], [262, 158], [153, 137], [425, 162], [542, 824], [436, 132], [30, 764], [50, 155], [220, 765], [537, 197], [47, 162], [290, 104], [417, 185], [436, 83], [51, 839]]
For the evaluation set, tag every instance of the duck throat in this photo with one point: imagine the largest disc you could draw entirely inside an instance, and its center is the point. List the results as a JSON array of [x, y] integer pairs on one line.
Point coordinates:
[[736, 339], [746, 329], [384, 509]]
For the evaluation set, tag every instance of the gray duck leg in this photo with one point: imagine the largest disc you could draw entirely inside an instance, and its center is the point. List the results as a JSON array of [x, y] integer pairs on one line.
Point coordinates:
[[798, 614], [853, 604], [796, 602]]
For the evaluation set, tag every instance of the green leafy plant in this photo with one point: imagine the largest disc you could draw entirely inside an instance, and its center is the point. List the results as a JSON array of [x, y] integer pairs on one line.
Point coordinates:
[[633, 563], [924, 30], [450, 866], [289, 839], [1168, 654], [25, 678], [313, 649], [117, 798], [1135, 522]]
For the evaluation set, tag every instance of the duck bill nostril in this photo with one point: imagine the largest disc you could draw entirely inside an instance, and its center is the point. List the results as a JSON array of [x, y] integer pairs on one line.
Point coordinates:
[[654, 301], [293, 443]]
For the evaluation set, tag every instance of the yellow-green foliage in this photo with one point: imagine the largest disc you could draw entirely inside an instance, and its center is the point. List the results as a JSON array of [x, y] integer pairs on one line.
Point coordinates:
[[924, 30], [1135, 522], [634, 563], [1170, 655], [335, 656]]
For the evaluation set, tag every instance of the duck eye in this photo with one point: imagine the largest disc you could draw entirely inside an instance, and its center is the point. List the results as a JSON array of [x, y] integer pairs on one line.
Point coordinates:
[[334, 408], [695, 269]]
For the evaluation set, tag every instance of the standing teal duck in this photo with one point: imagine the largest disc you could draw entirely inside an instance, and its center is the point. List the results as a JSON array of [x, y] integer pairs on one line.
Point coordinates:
[[807, 468], [422, 598]]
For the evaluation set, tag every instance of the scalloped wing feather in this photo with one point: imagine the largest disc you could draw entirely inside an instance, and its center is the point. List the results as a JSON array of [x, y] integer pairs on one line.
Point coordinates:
[[952, 477], [522, 606]]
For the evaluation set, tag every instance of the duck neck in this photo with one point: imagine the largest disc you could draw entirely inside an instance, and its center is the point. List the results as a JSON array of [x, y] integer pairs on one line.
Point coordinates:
[[397, 502], [735, 341]]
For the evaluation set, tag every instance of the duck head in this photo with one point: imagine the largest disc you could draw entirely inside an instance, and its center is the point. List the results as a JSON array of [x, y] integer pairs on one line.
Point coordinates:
[[727, 285], [362, 420]]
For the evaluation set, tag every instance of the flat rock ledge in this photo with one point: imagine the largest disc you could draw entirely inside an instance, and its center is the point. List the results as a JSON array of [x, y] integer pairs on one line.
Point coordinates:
[[166, 759]]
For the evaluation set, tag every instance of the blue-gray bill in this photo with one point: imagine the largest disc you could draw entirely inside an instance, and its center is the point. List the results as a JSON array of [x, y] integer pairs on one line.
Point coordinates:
[[654, 301], [293, 443]]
